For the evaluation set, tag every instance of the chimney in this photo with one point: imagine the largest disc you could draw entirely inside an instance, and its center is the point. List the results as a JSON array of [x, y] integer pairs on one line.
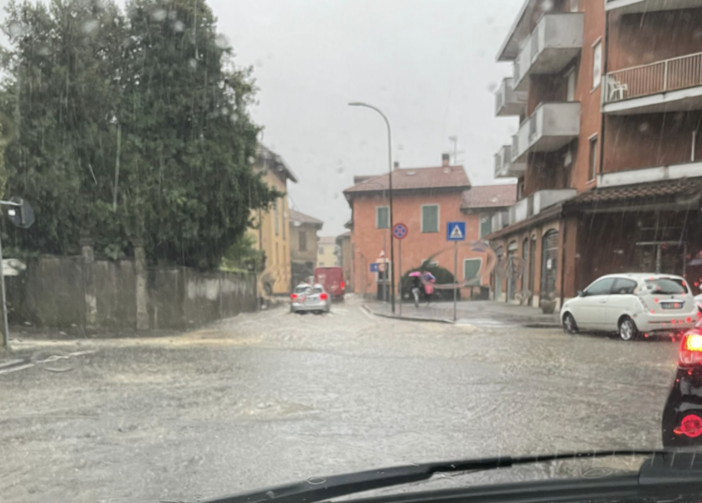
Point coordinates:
[[396, 165], [445, 160]]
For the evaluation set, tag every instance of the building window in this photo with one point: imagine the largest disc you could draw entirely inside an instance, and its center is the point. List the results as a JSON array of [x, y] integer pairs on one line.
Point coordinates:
[[302, 241], [485, 225], [430, 218], [382, 217], [277, 218], [593, 158], [321, 250], [471, 268], [596, 64]]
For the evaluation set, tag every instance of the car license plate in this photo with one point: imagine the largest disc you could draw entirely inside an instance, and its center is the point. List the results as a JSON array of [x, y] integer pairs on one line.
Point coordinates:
[[672, 305]]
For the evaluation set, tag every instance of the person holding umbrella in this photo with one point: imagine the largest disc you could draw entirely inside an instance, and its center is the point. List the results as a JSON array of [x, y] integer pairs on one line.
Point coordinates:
[[428, 278]]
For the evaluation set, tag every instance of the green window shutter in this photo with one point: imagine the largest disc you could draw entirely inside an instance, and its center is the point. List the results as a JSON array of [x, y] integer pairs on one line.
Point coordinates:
[[430, 218], [471, 268]]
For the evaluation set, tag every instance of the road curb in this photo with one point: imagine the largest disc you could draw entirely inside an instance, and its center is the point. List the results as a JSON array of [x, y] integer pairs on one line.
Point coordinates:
[[406, 318]]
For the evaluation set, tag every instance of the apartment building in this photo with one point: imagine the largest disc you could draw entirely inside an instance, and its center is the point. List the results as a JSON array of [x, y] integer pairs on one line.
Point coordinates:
[[271, 231], [328, 252], [608, 94]]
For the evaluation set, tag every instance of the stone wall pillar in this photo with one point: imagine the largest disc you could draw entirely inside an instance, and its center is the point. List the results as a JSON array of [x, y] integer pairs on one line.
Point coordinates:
[[142, 313], [88, 260]]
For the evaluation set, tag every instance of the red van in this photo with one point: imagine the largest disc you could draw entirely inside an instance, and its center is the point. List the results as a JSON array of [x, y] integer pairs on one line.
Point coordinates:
[[332, 278]]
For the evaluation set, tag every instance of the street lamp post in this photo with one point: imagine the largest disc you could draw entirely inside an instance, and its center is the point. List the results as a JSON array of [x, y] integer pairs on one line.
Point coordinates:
[[392, 245]]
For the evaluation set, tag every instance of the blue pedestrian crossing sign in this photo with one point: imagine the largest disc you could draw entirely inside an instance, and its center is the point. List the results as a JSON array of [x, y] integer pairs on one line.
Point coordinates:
[[456, 231]]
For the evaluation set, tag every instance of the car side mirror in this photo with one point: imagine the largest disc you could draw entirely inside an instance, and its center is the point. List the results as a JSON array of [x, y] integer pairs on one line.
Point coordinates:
[[581, 293]]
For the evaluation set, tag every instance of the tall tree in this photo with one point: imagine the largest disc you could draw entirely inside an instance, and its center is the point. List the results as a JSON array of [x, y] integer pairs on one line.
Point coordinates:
[[130, 127]]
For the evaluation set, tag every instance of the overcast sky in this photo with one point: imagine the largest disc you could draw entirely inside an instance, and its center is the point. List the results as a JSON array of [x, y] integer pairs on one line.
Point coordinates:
[[428, 64]]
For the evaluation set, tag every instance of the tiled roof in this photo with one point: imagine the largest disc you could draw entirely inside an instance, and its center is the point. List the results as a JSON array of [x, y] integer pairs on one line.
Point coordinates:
[[296, 216], [416, 179], [265, 154], [489, 196], [327, 240], [684, 186], [344, 235]]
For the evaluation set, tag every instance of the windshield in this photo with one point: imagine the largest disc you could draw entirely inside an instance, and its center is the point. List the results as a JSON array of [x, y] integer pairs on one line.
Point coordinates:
[[246, 243], [666, 286]]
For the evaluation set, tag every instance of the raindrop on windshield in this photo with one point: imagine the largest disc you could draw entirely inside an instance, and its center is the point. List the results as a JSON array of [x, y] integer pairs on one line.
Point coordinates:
[[222, 42], [178, 26], [16, 29], [90, 26], [643, 127], [159, 15], [547, 5], [492, 87]]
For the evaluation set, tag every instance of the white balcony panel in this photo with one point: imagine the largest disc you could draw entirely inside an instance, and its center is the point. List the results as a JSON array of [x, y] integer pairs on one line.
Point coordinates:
[[545, 198], [556, 40], [504, 167], [509, 102], [551, 127], [634, 6]]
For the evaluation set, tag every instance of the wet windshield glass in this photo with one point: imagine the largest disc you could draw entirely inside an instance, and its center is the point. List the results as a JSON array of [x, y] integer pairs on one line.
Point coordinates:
[[247, 242]]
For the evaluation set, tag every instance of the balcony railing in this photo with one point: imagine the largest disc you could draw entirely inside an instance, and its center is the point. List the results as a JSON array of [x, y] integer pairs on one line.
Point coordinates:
[[537, 202], [555, 41], [550, 127], [660, 77], [508, 101], [504, 167]]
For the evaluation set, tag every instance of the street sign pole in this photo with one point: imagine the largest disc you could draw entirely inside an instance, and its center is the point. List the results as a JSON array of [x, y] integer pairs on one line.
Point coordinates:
[[455, 276], [455, 231], [399, 266], [5, 328]]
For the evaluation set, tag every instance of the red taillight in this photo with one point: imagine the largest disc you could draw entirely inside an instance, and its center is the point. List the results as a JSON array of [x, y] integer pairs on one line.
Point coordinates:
[[323, 296], [691, 349], [343, 285], [293, 296], [690, 426]]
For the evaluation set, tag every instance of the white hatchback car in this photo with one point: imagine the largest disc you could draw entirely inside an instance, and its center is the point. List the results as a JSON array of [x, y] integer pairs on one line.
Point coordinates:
[[632, 304]]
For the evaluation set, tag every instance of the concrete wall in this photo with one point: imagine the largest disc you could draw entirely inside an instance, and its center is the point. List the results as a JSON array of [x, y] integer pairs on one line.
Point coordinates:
[[53, 292]]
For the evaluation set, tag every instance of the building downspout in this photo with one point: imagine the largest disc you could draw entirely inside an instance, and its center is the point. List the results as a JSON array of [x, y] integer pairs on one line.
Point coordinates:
[[603, 92], [564, 234]]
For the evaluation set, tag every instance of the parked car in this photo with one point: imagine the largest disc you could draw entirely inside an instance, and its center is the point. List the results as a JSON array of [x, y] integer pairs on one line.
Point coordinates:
[[310, 298], [682, 415], [632, 305], [332, 278]]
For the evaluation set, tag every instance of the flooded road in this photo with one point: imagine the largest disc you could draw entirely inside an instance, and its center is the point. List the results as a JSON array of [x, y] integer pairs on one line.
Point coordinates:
[[272, 397]]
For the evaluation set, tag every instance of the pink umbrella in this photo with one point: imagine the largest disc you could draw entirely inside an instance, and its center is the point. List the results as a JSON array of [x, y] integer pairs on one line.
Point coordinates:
[[415, 274]]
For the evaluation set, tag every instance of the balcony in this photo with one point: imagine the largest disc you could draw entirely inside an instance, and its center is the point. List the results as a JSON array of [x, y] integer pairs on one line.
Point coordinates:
[[536, 203], [556, 40], [500, 220], [670, 85], [545, 198], [551, 127], [504, 167], [508, 101], [634, 6]]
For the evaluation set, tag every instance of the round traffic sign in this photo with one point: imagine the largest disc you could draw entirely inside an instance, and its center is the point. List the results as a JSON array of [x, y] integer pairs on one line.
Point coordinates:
[[400, 231]]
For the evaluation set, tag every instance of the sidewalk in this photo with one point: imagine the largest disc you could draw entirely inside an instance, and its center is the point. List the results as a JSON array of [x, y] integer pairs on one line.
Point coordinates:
[[475, 312]]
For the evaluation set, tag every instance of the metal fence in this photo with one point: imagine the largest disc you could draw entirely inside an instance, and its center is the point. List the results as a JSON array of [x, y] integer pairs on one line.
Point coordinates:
[[667, 75]]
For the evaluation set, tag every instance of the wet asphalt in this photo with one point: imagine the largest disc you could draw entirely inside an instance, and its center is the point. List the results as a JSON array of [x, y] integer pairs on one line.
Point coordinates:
[[273, 397]]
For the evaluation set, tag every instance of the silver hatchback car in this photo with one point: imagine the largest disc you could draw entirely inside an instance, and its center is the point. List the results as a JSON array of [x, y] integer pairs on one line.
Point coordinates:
[[310, 299]]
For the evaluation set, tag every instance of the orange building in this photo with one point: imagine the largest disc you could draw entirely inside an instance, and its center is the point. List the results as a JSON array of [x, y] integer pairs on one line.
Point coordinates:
[[425, 200]]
